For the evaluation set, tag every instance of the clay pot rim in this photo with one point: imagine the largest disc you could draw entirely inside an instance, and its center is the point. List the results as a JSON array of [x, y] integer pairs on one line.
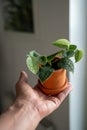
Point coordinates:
[[61, 69], [64, 86]]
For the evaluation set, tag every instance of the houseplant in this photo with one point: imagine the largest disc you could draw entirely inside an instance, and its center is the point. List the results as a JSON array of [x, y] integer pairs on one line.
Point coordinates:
[[51, 70]]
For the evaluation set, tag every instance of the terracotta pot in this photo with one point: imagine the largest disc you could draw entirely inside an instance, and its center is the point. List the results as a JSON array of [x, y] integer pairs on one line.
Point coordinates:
[[56, 83]]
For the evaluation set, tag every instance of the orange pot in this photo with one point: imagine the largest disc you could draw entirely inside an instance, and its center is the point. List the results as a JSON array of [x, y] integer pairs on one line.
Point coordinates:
[[56, 83]]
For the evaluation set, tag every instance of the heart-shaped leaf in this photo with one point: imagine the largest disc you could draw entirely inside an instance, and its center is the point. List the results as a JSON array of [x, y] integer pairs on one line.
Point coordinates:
[[42, 60], [32, 64], [69, 53], [34, 60], [72, 47], [78, 55], [52, 56], [67, 64], [45, 72], [62, 43], [33, 53]]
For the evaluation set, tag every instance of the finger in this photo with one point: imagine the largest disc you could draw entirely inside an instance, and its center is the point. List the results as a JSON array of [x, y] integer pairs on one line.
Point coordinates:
[[21, 84], [23, 76], [64, 93], [54, 102]]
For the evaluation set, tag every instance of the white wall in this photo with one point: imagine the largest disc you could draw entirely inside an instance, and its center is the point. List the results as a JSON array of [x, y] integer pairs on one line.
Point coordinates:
[[78, 35], [51, 22]]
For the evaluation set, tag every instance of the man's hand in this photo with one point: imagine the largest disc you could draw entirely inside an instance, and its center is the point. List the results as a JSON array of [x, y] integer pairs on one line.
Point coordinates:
[[30, 107], [44, 104]]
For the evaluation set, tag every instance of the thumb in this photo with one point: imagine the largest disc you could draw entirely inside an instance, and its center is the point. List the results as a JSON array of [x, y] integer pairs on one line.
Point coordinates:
[[23, 76]]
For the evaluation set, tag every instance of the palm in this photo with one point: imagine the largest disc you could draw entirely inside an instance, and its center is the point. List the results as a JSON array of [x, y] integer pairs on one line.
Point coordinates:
[[44, 104]]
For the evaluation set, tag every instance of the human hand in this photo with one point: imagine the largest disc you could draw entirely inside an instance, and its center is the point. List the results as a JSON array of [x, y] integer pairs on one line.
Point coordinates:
[[39, 102], [30, 107]]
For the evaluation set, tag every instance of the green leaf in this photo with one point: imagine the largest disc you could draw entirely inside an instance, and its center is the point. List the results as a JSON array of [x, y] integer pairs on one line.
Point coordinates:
[[32, 64], [78, 55], [45, 72], [72, 47], [62, 43], [69, 53], [66, 64], [34, 60], [51, 57], [33, 53], [42, 60]]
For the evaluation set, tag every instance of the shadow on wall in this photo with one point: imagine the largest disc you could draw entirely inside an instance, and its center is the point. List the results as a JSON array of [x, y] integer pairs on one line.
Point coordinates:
[[6, 96], [1, 75]]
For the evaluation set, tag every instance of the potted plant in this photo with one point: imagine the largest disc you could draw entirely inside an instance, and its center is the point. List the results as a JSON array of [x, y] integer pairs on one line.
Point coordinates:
[[52, 69]]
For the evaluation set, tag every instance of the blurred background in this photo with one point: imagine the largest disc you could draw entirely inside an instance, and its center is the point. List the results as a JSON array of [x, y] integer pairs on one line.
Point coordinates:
[[33, 25]]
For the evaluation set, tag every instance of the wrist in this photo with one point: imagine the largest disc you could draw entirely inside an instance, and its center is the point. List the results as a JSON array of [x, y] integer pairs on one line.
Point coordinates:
[[24, 113]]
